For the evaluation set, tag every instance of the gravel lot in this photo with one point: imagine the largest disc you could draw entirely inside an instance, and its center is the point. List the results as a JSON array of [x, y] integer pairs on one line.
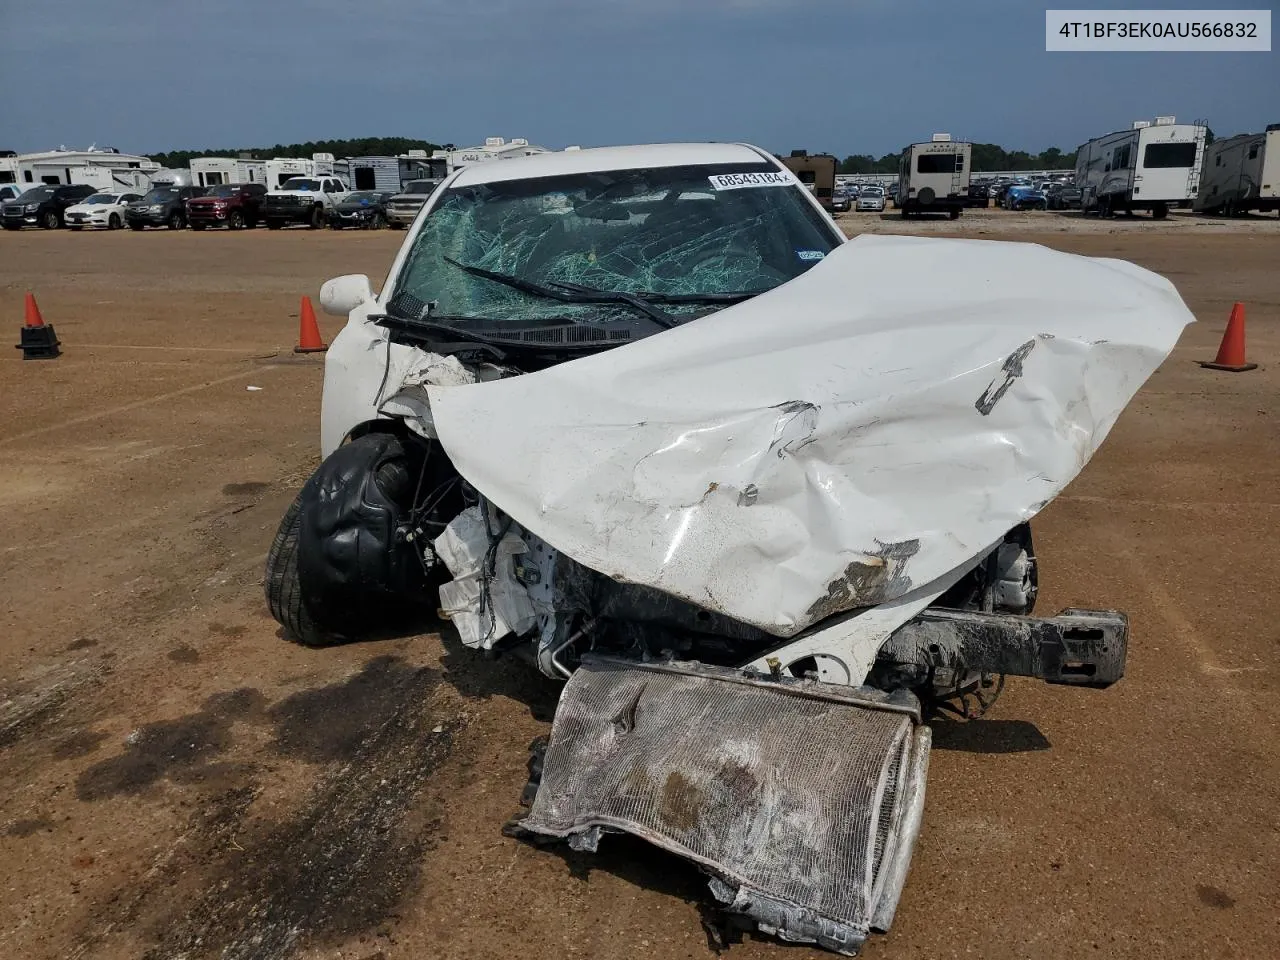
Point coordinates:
[[181, 782]]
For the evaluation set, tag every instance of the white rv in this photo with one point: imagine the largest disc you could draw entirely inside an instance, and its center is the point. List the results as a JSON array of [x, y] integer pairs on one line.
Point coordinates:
[[280, 169], [1153, 166], [103, 169], [494, 148], [374, 173], [212, 171], [933, 177], [1241, 174]]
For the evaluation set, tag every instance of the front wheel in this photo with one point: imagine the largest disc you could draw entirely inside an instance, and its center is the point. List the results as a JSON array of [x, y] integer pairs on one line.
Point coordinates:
[[1159, 211], [317, 217], [235, 220], [113, 222], [377, 221], [283, 587], [175, 221], [50, 220]]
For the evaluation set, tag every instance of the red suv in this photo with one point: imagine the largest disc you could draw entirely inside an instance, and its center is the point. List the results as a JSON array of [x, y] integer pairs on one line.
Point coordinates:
[[231, 205]]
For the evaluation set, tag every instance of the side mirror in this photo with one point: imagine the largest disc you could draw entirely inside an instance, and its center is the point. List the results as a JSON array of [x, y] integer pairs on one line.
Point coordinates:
[[341, 295]]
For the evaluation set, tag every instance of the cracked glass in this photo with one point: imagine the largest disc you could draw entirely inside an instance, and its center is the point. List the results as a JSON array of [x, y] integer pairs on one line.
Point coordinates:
[[656, 231]]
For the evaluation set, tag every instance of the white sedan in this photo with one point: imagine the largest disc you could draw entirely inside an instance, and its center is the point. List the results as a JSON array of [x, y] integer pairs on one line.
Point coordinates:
[[100, 210], [871, 199]]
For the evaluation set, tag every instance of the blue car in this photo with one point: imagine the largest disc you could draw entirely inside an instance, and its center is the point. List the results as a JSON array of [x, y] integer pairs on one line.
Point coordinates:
[[1025, 197]]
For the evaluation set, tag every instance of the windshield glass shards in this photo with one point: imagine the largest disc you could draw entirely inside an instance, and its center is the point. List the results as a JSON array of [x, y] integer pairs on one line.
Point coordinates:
[[602, 246]]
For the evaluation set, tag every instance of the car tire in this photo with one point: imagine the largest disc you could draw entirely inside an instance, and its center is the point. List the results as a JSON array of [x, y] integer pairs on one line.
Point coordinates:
[[1159, 211], [317, 218], [954, 214], [274, 224], [175, 221], [235, 220], [377, 221], [114, 222], [283, 586], [50, 220]]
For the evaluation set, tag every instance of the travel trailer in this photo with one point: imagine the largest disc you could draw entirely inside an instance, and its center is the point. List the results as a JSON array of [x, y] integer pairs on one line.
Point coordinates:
[[1241, 174], [212, 171], [1152, 166], [392, 173], [933, 177], [103, 169], [494, 148], [816, 171], [280, 169], [374, 173], [172, 177]]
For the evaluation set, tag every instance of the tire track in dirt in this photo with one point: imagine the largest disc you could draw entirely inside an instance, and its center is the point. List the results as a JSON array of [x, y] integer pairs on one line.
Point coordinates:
[[239, 885]]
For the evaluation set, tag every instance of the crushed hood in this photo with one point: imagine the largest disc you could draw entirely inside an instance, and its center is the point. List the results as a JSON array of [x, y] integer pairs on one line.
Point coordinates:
[[837, 442]]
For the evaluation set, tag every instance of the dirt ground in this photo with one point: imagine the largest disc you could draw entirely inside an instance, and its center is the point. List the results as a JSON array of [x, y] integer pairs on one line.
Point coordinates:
[[179, 781]]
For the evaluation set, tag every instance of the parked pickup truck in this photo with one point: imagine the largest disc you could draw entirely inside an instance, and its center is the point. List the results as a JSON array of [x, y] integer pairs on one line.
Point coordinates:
[[302, 200], [43, 205], [403, 208], [230, 205]]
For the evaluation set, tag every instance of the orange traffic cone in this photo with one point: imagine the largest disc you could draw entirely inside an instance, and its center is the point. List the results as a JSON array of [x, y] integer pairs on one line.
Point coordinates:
[[33, 318], [38, 341], [308, 330], [1231, 352]]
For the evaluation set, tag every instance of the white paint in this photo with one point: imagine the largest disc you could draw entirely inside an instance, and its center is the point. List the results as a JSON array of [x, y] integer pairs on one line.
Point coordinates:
[[845, 400]]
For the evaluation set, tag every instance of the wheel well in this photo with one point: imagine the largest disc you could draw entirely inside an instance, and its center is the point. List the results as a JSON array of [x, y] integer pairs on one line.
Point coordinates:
[[382, 425]]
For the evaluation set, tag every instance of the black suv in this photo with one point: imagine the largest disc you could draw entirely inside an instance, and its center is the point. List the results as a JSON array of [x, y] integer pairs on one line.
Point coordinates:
[[161, 207], [43, 206]]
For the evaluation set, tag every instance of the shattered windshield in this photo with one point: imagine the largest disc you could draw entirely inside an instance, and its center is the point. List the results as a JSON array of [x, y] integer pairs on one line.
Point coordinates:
[[694, 231]]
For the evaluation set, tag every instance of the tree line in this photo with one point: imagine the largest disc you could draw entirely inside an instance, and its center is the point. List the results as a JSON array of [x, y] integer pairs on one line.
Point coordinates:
[[358, 147], [986, 157]]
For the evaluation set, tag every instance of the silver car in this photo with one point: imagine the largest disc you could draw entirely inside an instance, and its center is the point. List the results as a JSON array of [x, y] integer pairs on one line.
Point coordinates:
[[870, 199]]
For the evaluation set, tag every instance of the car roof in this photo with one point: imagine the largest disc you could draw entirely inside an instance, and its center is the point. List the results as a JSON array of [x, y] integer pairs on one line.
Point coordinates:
[[596, 159]]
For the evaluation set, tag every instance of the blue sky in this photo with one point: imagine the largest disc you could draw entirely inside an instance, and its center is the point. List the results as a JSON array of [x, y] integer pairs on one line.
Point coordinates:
[[847, 76]]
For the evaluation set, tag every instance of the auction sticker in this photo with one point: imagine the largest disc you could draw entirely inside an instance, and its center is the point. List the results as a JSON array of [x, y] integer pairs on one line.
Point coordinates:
[[740, 181]]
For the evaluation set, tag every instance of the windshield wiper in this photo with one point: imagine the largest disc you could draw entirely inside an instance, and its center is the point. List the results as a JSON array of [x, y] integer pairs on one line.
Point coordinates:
[[649, 296], [568, 293]]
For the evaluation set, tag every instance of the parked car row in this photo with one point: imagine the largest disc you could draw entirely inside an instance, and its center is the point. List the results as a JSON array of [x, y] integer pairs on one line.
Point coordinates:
[[310, 201]]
